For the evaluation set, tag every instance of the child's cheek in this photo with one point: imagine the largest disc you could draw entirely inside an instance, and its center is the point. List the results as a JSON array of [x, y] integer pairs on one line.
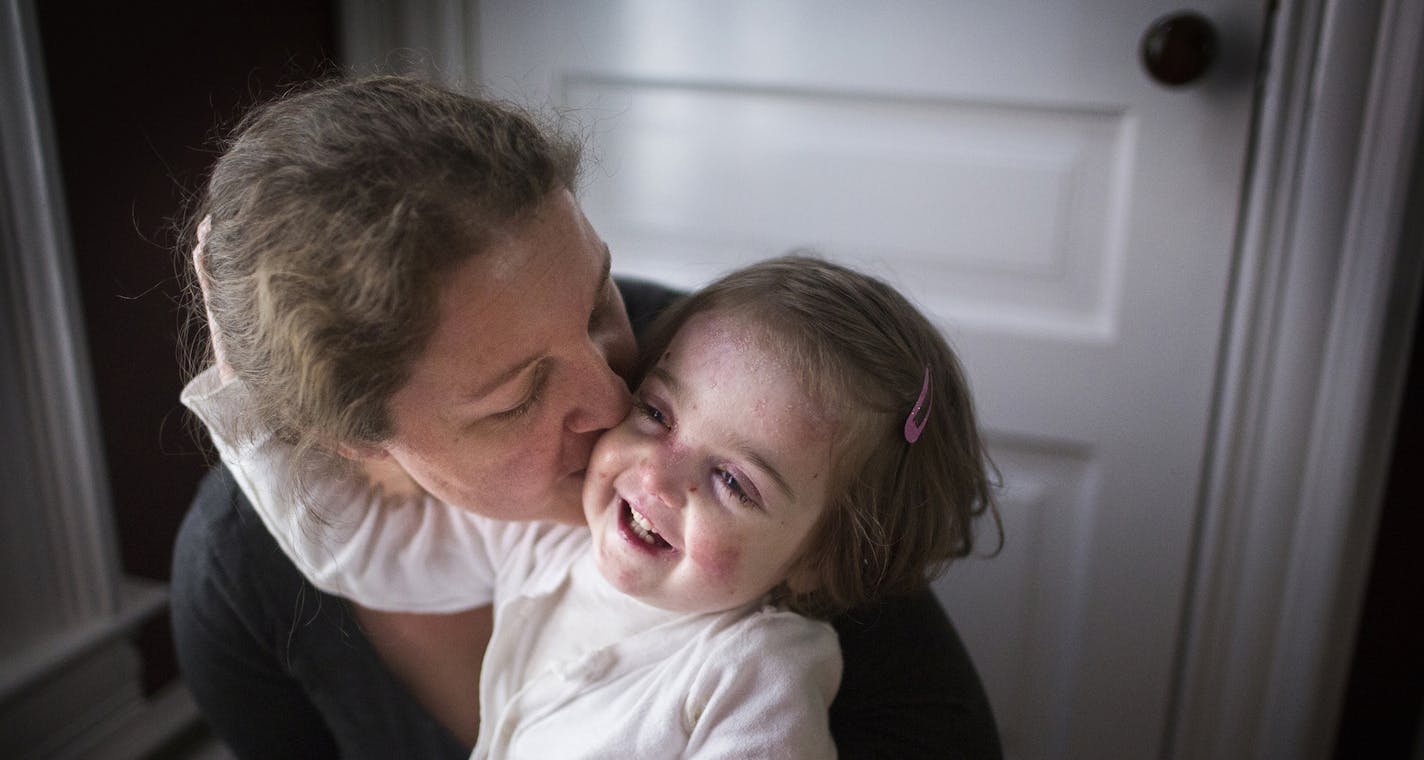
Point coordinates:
[[718, 560]]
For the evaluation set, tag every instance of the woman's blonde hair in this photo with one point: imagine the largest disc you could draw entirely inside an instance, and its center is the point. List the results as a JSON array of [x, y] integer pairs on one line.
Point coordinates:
[[897, 511], [335, 214]]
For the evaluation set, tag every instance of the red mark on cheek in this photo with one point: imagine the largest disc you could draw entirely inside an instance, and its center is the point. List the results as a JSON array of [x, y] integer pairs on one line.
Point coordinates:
[[692, 489], [720, 563]]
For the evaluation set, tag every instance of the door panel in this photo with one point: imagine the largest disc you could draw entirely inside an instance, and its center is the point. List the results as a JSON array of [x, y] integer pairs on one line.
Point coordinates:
[[1010, 167], [706, 175]]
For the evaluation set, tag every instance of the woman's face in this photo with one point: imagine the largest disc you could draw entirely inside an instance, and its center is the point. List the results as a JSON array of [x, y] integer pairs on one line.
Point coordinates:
[[521, 375]]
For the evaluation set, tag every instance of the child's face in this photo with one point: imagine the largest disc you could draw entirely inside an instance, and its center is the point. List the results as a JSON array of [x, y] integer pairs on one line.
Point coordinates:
[[702, 497]]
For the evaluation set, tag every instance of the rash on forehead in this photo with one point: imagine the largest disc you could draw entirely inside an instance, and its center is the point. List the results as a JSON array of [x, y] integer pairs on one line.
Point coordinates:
[[766, 352]]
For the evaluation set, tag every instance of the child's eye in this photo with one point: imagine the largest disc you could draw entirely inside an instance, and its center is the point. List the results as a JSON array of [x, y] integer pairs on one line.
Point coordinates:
[[729, 481], [651, 412]]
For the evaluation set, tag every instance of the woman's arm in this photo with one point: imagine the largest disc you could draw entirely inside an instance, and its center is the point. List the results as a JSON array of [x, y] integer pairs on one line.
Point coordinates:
[[282, 670], [909, 689], [396, 552], [227, 646]]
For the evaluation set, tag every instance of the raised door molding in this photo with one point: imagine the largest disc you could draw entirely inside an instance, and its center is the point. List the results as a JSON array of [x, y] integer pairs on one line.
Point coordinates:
[[432, 38], [1327, 284]]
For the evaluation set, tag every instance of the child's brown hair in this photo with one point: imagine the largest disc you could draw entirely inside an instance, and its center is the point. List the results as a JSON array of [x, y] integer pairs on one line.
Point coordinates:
[[897, 511]]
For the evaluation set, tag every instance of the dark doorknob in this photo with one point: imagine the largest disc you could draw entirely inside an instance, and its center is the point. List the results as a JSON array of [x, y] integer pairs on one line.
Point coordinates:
[[1179, 48]]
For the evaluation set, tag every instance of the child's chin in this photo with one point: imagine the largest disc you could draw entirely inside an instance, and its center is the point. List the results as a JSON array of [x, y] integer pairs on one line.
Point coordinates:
[[613, 575]]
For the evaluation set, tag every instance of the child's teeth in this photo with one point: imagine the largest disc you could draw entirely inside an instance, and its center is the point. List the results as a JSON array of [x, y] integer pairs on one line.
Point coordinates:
[[642, 527]]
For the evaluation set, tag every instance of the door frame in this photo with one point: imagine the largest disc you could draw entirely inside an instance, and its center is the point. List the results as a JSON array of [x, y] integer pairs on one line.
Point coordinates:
[[1325, 288], [59, 519]]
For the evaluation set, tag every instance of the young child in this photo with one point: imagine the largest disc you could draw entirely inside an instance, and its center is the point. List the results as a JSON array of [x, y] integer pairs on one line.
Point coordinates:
[[802, 441]]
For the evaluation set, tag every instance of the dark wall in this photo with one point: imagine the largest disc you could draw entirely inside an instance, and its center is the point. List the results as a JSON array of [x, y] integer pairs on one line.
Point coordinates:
[[139, 91], [1383, 712]]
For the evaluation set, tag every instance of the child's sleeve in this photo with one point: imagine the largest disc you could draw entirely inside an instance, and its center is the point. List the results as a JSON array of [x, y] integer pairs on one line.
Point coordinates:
[[397, 553], [767, 692]]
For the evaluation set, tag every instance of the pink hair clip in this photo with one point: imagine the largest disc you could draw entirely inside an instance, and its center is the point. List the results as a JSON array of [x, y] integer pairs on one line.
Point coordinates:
[[913, 429]]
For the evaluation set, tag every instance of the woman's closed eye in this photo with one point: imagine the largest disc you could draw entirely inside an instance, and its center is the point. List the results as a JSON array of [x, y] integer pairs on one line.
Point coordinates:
[[522, 409], [528, 403]]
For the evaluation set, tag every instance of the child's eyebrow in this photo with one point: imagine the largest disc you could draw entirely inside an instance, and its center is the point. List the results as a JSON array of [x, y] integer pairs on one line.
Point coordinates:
[[755, 457], [666, 378], [761, 463]]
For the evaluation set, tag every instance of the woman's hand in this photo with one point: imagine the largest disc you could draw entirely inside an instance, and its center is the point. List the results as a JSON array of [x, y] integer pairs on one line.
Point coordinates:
[[225, 371]]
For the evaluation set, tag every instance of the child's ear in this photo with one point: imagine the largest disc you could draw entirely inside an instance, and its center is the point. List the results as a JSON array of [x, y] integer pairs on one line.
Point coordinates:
[[803, 579]]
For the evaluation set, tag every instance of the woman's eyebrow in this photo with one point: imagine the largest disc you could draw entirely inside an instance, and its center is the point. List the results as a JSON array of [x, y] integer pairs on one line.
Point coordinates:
[[605, 274]]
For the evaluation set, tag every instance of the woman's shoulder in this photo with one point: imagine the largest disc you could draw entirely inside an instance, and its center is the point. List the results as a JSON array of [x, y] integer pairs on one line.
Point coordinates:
[[909, 676], [224, 552], [220, 528]]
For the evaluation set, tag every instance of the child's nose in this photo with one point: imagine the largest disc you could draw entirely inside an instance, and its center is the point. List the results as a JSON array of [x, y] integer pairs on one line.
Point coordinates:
[[665, 476]]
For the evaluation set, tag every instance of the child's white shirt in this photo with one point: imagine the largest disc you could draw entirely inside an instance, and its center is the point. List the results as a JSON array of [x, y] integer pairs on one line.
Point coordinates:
[[636, 683]]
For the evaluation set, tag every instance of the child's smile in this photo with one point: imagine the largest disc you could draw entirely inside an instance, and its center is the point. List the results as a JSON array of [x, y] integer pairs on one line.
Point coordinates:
[[640, 528], [701, 499]]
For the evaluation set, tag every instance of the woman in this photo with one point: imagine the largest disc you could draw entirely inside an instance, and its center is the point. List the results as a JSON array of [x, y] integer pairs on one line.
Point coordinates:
[[461, 336]]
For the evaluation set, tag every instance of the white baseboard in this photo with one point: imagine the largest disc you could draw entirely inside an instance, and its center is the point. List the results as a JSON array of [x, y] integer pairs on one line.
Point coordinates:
[[79, 694]]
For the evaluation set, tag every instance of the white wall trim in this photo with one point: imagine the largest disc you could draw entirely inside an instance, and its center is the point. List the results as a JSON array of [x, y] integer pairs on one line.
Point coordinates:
[[76, 520], [69, 678], [1322, 304], [433, 38], [30, 666]]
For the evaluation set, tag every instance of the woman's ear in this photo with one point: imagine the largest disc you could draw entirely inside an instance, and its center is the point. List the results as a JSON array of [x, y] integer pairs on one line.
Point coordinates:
[[362, 452], [381, 470]]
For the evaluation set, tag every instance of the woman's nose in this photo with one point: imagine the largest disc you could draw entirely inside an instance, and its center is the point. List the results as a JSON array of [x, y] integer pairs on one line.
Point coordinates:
[[603, 397]]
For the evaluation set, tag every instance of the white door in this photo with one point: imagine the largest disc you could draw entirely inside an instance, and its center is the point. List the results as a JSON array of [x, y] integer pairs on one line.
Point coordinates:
[[1013, 168]]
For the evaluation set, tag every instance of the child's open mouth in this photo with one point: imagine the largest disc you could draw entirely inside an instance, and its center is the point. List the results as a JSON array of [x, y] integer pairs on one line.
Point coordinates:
[[640, 529]]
